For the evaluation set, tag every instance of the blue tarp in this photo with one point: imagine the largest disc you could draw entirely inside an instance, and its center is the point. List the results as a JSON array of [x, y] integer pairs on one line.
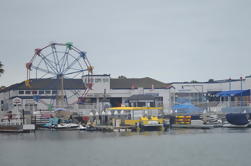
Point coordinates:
[[182, 100], [237, 119], [186, 108], [234, 93]]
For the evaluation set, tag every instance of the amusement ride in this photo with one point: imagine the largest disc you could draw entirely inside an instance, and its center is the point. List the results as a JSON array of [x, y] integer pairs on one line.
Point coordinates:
[[60, 61]]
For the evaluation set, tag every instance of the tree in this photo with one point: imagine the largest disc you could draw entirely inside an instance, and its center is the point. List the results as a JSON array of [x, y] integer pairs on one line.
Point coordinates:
[[122, 77], [2, 87], [211, 80], [194, 81], [1, 68]]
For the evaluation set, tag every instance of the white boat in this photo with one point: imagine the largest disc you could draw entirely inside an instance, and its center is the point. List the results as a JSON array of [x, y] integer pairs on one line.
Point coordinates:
[[81, 127], [66, 126]]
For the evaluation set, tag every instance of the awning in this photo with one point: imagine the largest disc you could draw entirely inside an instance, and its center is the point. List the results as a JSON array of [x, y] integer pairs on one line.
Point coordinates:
[[187, 108], [234, 93]]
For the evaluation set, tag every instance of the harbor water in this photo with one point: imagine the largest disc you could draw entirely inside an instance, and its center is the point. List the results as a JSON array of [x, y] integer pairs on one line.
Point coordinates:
[[179, 147]]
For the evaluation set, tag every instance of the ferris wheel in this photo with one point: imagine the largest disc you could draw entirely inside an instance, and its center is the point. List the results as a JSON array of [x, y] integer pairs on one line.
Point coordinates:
[[60, 61]]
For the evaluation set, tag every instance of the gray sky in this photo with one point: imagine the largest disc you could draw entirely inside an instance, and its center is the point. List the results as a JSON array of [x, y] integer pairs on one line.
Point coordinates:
[[169, 40]]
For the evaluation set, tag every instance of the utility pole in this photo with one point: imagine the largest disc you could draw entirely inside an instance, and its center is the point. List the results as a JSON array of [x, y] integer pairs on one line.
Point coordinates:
[[241, 91], [229, 97]]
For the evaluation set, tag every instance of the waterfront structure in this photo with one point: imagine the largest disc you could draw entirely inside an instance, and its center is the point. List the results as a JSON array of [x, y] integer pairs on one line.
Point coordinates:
[[227, 95], [114, 92], [196, 90], [105, 92]]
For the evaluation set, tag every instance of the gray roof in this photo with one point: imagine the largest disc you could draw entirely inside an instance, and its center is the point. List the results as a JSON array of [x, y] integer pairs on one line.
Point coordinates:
[[201, 82], [128, 83], [47, 84]]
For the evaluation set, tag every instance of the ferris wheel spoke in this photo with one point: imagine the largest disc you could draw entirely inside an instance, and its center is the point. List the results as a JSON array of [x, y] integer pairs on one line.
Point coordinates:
[[49, 63], [42, 70], [44, 75], [71, 64], [76, 75], [75, 69], [55, 56], [64, 59], [75, 72], [74, 93]]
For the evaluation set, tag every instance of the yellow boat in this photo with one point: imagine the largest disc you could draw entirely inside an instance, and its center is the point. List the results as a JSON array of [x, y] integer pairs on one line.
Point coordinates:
[[145, 118]]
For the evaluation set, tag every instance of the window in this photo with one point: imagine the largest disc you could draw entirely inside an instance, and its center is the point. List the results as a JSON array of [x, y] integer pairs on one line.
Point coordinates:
[[54, 92], [34, 92], [47, 92], [105, 80], [41, 92], [27, 92], [141, 104], [21, 92], [97, 80], [88, 80]]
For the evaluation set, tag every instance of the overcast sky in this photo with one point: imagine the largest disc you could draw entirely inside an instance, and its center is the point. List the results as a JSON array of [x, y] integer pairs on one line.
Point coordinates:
[[169, 40]]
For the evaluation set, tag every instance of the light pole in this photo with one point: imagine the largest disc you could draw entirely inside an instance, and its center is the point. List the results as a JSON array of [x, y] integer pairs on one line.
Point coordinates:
[[229, 97], [241, 90]]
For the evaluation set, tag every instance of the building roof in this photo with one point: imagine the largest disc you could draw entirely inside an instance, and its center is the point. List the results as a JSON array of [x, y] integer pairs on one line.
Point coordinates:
[[47, 84], [131, 83], [208, 82], [115, 83]]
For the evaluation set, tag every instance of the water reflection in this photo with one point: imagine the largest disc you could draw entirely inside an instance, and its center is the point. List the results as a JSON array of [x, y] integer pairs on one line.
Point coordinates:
[[79, 135], [174, 147]]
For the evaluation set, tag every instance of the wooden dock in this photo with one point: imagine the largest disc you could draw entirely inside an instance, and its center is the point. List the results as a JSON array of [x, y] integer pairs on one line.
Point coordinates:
[[17, 128]]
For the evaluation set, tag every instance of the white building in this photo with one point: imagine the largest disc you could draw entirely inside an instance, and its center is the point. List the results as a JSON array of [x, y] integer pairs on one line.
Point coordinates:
[[219, 85], [111, 92], [105, 92], [205, 92]]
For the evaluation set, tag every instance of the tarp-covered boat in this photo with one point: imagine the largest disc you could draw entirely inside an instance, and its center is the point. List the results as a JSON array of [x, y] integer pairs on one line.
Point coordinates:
[[237, 118]]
